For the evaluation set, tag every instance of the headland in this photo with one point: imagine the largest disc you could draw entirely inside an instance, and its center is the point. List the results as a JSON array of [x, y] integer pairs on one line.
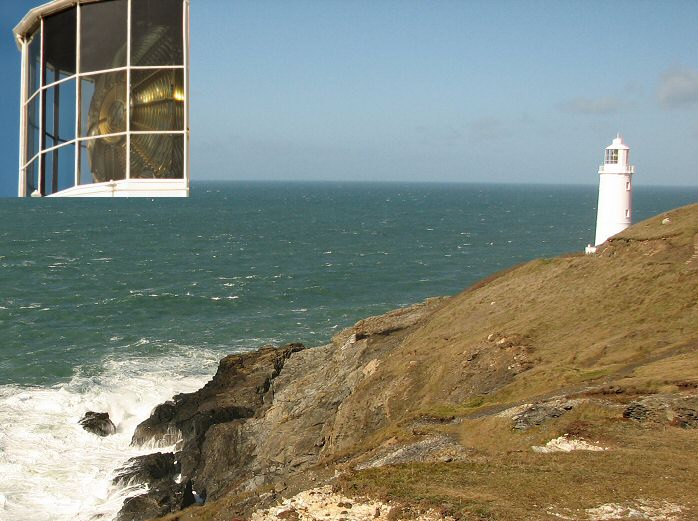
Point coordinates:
[[564, 388]]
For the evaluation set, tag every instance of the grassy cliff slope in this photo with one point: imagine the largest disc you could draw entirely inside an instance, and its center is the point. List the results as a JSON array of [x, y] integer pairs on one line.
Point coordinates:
[[602, 332], [452, 395]]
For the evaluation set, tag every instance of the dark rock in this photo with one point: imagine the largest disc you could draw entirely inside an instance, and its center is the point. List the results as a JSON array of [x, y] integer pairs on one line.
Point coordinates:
[[686, 417], [663, 409], [538, 414], [188, 498], [235, 392], [636, 411], [158, 426], [161, 499], [207, 425], [147, 469], [164, 495], [98, 423], [139, 508]]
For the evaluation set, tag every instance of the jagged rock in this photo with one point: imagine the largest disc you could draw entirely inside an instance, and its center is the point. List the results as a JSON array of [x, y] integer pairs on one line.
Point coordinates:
[[162, 498], [147, 469], [98, 423], [390, 322], [636, 411], [158, 471], [188, 498], [267, 416], [686, 417], [236, 391], [209, 423], [139, 508], [539, 413], [432, 449], [664, 409]]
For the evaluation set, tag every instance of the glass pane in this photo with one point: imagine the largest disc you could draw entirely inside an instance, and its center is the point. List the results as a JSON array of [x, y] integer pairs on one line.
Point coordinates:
[[59, 46], [31, 176], [157, 156], [59, 106], [103, 35], [103, 104], [32, 128], [157, 99], [59, 169], [34, 62], [102, 159], [48, 142], [156, 32]]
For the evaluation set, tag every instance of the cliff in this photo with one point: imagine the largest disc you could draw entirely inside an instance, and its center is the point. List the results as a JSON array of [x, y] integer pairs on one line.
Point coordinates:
[[564, 388]]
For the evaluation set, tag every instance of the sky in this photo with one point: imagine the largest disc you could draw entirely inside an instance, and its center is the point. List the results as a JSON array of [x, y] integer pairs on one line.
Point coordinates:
[[400, 90]]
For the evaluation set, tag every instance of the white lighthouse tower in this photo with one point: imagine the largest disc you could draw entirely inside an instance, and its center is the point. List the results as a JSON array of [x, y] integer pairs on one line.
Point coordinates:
[[615, 207]]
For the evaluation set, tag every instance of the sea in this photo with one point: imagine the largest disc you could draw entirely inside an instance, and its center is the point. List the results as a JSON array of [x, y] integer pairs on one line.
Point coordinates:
[[115, 305]]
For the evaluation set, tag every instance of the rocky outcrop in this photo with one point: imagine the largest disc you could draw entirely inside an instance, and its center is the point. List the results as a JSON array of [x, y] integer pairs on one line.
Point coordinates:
[[391, 322], [147, 469], [665, 409], [431, 449], [158, 471], [265, 417], [98, 423], [163, 497], [240, 387], [539, 413], [203, 422]]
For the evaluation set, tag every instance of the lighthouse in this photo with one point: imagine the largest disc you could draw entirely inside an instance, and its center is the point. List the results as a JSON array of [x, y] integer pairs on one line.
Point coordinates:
[[615, 206]]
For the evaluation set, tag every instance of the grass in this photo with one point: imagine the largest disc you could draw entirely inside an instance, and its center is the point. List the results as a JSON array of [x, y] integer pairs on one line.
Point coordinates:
[[447, 411], [626, 318], [520, 484]]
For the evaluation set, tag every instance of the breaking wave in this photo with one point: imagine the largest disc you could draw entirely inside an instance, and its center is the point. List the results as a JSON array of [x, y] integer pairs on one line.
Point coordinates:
[[54, 470]]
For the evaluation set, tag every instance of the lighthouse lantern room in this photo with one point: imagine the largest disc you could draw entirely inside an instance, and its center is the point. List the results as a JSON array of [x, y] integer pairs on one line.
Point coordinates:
[[614, 209]]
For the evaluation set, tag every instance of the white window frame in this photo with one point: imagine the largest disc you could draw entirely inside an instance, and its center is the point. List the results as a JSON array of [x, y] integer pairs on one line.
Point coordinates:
[[27, 98]]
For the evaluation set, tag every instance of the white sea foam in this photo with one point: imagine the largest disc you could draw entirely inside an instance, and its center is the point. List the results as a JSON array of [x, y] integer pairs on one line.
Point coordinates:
[[54, 470]]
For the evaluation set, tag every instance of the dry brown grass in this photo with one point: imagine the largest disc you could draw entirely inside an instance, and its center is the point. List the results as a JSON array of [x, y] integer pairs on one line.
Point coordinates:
[[627, 318], [587, 319], [508, 481]]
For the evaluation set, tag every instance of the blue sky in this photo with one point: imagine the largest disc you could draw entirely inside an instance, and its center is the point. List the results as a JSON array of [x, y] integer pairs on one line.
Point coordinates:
[[467, 91]]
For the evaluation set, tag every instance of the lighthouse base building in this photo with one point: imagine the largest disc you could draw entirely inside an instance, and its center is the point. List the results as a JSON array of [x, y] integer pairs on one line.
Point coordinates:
[[614, 208]]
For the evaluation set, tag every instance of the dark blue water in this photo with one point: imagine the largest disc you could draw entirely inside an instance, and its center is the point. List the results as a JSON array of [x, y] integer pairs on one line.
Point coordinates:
[[244, 264]]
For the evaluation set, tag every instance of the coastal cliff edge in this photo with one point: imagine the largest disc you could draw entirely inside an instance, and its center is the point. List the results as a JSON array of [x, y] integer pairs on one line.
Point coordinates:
[[563, 388]]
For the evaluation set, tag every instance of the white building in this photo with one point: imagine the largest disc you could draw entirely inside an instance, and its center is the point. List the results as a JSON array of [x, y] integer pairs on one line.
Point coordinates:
[[104, 98], [615, 205]]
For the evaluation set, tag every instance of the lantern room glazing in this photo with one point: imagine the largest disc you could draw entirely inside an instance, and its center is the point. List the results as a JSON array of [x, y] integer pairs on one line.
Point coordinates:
[[105, 98]]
